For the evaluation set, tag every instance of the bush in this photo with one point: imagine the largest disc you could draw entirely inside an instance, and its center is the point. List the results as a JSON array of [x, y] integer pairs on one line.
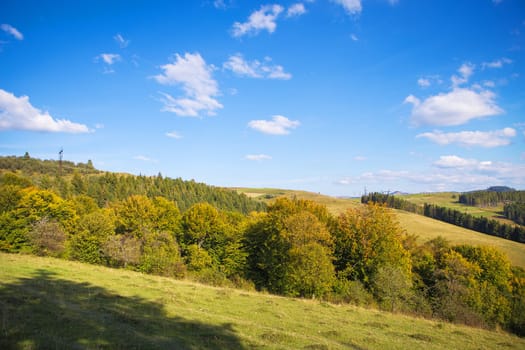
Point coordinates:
[[353, 292]]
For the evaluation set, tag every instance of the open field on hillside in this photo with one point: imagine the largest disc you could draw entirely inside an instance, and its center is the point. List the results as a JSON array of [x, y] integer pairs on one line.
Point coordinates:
[[425, 228], [450, 200], [49, 303], [335, 205]]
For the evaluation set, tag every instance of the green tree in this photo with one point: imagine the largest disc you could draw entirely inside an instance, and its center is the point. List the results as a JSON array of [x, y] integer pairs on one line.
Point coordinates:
[[309, 272], [393, 288], [135, 216], [366, 240], [456, 295], [161, 255], [94, 229], [202, 225], [276, 244]]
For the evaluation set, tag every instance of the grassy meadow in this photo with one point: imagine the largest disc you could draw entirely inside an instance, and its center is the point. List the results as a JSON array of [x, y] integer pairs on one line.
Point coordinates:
[[55, 304]]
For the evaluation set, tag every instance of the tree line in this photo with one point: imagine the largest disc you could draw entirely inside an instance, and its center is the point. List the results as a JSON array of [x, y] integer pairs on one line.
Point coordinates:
[[491, 198], [294, 248], [456, 217], [515, 212], [106, 187]]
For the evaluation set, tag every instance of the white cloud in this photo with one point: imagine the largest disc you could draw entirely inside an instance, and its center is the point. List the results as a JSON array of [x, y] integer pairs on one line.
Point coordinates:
[[123, 43], [451, 173], [9, 29], [279, 125], [455, 162], [453, 108], [195, 76], [423, 82], [466, 70], [109, 58], [255, 69], [257, 157], [238, 65], [296, 10], [352, 7], [174, 135], [486, 139], [429, 80], [262, 19], [16, 113], [276, 72], [360, 158], [496, 63], [354, 37]]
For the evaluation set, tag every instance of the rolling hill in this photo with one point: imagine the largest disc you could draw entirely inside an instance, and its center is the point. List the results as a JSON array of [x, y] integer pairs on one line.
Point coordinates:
[[425, 228]]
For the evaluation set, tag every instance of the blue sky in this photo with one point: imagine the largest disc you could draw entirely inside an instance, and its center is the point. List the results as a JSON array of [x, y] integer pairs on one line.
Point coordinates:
[[331, 96]]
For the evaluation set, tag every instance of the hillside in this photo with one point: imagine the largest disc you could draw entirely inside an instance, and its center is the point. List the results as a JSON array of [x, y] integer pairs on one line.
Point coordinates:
[[69, 180], [425, 228], [450, 200], [334, 204], [49, 303]]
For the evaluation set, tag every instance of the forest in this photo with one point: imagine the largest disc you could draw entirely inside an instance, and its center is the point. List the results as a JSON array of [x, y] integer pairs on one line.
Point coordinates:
[[513, 211], [492, 197], [290, 247]]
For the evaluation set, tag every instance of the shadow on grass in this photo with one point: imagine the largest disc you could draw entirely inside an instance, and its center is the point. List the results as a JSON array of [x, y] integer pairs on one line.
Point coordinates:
[[44, 312]]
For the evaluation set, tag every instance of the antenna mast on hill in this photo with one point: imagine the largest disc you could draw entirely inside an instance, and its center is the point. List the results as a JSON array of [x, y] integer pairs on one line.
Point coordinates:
[[60, 154]]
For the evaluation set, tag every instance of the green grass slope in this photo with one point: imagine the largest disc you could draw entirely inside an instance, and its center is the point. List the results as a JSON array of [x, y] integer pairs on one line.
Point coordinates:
[[55, 304]]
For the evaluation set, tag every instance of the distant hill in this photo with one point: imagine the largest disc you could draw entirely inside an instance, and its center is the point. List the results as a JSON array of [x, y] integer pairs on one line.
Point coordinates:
[[500, 189]]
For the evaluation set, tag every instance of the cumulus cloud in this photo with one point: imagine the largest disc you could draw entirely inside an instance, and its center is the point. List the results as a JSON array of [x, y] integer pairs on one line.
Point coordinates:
[[195, 77], [486, 139], [295, 10], [9, 29], [123, 43], [456, 107], [352, 7], [279, 125], [257, 157], [16, 113], [455, 162], [262, 19], [255, 69]]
